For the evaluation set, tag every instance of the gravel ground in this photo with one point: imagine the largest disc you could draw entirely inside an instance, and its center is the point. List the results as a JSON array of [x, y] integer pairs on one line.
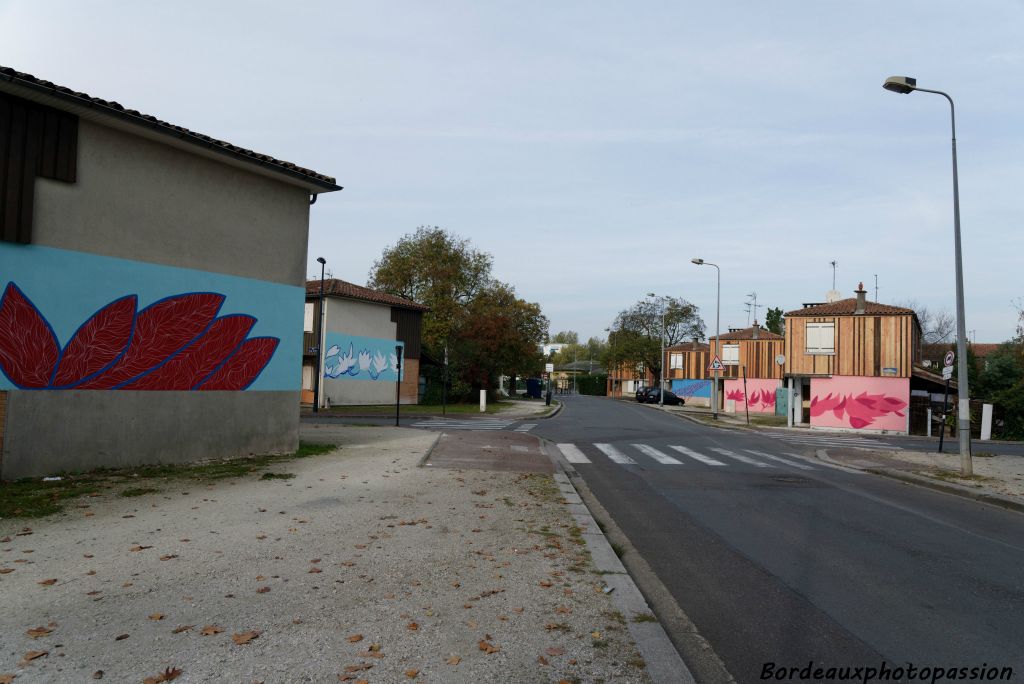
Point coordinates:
[[363, 567], [999, 473]]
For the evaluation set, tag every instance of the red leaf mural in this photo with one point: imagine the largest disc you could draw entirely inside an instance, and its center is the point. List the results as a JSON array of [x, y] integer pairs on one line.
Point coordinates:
[[735, 395], [239, 371], [186, 369], [176, 343], [97, 343], [860, 410], [161, 330], [28, 347]]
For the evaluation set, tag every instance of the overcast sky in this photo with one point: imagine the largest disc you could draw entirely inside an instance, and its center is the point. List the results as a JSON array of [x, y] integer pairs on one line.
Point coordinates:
[[594, 148]]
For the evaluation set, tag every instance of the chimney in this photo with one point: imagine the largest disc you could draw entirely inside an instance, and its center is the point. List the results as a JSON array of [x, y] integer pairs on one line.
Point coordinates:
[[754, 332], [861, 293]]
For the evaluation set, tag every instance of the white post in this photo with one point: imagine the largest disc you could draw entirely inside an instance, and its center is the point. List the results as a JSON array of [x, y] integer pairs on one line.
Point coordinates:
[[929, 431], [986, 421], [789, 404], [483, 401]]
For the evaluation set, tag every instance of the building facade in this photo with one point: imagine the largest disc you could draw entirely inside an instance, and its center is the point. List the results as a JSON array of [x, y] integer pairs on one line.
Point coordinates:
[[362, 333], [152, 287]]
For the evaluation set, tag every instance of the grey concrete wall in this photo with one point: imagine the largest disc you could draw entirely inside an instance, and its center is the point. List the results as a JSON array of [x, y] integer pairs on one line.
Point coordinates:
[[138, 199], [352, 317], [73, 431]]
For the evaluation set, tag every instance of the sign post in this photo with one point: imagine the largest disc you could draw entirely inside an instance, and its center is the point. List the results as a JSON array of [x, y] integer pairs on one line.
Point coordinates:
[[947, 374], [715, 366]]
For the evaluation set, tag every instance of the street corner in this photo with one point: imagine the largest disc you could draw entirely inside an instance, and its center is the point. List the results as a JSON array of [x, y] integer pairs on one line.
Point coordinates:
[[490, 450]]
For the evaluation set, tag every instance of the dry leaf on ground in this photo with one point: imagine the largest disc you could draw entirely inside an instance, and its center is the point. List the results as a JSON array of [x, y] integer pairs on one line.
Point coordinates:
[[156, 616], [245, 637], [554, 651], [453, 660], [355, 638], [488, 648], [139, 547], [37, 632], [32, 655], [165, 676], [47, 582], [263, 590], [7, 679], [168, 556], [411, 674], [182, 628], [412, 626], [209, 630], [120, 637]]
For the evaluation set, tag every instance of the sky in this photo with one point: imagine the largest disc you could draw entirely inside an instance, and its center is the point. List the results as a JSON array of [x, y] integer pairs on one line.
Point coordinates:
[[594, 148]]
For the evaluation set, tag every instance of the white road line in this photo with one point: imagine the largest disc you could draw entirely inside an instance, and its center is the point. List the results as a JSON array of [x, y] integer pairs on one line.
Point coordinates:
[[801, 466], [659, 456], [572, 453], [526, 427], [614, 454], [519, 447], [700, 457], [741, 458]]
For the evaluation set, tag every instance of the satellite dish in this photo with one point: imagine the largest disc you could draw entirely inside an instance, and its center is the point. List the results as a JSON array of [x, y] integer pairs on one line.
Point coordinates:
[[833, 296]]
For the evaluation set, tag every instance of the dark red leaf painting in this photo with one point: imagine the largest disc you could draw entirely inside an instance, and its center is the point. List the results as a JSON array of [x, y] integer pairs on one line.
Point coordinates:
[[177, 343], [241, 369], [28, 347]]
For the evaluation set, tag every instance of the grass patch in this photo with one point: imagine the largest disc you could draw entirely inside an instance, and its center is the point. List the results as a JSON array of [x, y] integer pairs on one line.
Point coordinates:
[[953, 476], [617, 549], [776, 421], [637, 662], [33, 498], [139, 491], [982, 454], [599, 643], [615, 616], [277, 476], [644, 617]]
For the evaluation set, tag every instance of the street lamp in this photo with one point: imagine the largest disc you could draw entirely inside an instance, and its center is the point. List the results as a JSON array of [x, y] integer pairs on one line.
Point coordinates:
[[319, 339], [661, 382], [718, 310], [398, 381], [906, 85], [611, 363]]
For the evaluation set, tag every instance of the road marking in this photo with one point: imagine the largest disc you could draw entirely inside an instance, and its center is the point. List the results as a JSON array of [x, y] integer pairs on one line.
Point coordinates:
[[572, 453], [658, 456], [526, 427], [614, 454], [801, 466], [741, 458], [520, 448], [700, 457], [464, 424]]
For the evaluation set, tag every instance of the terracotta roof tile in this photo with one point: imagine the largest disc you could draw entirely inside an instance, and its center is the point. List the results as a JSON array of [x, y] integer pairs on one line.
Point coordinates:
[[748, 334], [343, 288], [689, 346], [120, 111], [847, 307]]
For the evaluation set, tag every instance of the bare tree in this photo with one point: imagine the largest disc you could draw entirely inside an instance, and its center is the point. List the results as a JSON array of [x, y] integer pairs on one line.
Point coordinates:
[[937, 325]]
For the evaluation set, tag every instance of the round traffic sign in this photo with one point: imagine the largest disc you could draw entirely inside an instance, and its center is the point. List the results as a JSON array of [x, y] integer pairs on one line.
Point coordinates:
[[780, 359], [948, 359]]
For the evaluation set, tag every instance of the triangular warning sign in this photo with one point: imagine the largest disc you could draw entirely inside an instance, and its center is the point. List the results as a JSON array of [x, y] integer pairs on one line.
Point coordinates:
[[716, 364]]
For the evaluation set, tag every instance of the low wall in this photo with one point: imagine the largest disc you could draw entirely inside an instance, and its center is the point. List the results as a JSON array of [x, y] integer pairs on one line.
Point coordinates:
[[760, 394]]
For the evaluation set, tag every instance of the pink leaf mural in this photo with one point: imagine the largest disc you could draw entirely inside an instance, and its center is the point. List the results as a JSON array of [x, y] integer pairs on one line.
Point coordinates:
[[176, 343], [97, 343], [861, 410], [735, 395], [28, 347], [242, 368]]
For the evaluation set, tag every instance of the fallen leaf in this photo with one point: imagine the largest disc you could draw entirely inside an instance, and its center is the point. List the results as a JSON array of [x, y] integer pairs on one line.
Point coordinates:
[[165, 676], [168, 556], [370, 654], [374, 648], [517, 610], [411, 674], [358, 668], [564, 610], [156, 616], [120, 637], [7, 678], [315, 570], [260, 578], [542, 660], [4, 571], [456, 584], [412, 626], [245, 637], [554, 651], [139, 547], [596, 635], [263, 590], [98, 674], [210, 630], [91, 572], [47, 582], [454, 660], [545, 583], [488, 648], [37, 632], [182, 628], [32, 655], [355, 638]]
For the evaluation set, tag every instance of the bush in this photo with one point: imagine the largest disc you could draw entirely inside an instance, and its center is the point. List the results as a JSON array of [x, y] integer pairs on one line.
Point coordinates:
[[594, 385]]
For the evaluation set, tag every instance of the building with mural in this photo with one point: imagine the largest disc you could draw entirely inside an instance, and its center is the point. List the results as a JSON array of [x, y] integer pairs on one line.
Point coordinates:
[[152, 287], [362, 331], [851, 364]]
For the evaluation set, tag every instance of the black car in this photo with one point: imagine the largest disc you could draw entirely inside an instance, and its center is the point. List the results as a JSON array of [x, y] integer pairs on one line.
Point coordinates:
[[652, 395]]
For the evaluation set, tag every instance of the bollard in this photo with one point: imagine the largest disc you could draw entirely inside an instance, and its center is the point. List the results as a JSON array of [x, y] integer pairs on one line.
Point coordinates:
[[483, 401], [986, 421]]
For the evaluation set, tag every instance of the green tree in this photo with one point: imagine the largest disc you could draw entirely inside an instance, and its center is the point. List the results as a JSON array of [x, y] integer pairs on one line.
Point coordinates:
[[773, 321], [636, 336], [566, 337]]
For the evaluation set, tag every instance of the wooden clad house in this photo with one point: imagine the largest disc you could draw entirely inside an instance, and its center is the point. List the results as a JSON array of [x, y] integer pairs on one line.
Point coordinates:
[[850, 363]]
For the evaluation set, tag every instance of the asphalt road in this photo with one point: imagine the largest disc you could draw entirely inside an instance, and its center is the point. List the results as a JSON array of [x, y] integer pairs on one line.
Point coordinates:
[[790, 561]]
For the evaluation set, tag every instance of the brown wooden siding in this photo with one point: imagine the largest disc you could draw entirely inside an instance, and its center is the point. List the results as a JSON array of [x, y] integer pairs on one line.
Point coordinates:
[[864, 345], [34, 141], [757, 358], [408, 330]]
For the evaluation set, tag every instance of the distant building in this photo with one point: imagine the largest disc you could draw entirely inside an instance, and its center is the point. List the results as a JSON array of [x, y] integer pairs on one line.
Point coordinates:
[[362, 328], [152, 287]]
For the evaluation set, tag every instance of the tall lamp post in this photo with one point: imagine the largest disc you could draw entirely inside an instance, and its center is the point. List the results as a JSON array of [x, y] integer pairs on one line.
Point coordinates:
[[319, 339], [661, 381], [611, 363], [398, 382], [718, 310], [906, 85]]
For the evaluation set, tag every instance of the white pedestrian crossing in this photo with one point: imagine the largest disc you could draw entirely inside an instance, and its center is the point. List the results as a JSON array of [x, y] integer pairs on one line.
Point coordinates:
[[572, 453], [526, 427], [698, 457], [833, 440], [465, 424], [801, 466], [659, 456], [741, 458], [614, 454]]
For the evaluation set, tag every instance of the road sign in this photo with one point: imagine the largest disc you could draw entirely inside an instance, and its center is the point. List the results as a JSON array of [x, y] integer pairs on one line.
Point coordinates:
[[716, 364], [948, 359], [549, 367], [947, 372]]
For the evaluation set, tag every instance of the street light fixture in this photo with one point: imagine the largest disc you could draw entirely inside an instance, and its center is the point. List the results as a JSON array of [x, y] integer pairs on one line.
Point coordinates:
[[661, 365], [718, 310], [319, 339], [906, 85], [398, 382]]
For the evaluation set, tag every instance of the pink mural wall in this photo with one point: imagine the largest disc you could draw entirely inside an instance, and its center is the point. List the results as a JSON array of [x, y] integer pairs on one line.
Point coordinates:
[[863, 403], [760, 394]]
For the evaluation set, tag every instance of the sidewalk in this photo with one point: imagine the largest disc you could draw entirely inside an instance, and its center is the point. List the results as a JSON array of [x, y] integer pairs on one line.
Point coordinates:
[[362, 567], [509, 410]]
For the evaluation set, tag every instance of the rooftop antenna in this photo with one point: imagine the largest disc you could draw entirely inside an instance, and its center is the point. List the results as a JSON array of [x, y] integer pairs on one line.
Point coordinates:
[[833, 294], [752, 305], [834, 264], [876, 287]]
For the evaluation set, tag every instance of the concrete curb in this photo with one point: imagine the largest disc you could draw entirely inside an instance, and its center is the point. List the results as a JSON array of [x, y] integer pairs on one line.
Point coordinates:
[[430, 451], [949, 488], [552, 414], [663, 659]]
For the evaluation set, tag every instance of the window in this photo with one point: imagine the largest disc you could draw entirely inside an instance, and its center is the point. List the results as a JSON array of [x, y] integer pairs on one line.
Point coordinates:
[[308, 323], [730, 354], [821, 338], [675, 361]]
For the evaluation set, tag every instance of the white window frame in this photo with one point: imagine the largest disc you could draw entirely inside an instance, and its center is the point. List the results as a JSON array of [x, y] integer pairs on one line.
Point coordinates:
[[820, 338], [675, 360], [308, 319], [730, 354]]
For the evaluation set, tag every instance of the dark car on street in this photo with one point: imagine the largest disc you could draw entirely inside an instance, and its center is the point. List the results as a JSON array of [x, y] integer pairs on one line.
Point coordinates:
[[652, 395]]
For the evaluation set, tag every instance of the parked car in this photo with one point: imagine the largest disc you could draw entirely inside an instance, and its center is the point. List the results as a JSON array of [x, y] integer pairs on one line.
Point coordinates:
[[640, 394], [652, 395]]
